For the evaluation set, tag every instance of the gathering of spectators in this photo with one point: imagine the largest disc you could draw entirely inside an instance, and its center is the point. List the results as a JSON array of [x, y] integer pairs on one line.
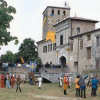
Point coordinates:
[[10, 81], [80, 85]]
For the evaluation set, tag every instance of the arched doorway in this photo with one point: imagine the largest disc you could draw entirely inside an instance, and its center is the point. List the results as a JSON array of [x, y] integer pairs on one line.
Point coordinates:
[[63, 61]]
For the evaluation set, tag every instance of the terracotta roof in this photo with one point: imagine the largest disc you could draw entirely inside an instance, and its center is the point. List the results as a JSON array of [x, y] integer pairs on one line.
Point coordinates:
[[55, 7], [81, 34], [78, 19]]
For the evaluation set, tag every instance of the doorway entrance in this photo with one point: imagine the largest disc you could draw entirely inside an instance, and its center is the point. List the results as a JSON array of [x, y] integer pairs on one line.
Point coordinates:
[[63, 61]]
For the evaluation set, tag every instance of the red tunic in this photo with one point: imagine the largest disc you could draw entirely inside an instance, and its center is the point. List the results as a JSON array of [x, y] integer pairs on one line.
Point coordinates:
[[12, 82], [2, 81]]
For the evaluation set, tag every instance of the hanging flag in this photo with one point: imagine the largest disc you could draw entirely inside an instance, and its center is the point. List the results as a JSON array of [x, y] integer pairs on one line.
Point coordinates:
[[22, 60], [33, 65], [50, 36]]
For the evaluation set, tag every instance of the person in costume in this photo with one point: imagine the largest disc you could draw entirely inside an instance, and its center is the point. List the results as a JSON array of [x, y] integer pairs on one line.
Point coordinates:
[[7, 81], [18, 83], [12, 81], [60, 81], [77, 86], [94, 83], [40, 82], [65, 84], [82, 87], [2, 81]]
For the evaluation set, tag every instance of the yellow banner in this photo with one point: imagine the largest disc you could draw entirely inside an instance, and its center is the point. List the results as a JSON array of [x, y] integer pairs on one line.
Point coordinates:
[[51, 36]]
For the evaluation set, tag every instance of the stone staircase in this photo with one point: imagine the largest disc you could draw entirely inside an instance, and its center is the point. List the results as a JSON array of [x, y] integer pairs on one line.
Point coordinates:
[[52, 77], [52, 74]]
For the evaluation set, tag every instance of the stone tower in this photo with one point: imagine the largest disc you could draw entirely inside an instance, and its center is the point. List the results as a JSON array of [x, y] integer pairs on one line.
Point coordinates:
[[51, 16]]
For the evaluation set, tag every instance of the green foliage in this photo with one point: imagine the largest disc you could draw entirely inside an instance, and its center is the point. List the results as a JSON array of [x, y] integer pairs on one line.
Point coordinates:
[[6, 16], [9, 57], [38, 60], [28, 50]]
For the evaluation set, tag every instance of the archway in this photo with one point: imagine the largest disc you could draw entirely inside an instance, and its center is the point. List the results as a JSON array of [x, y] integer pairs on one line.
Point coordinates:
[[63, 61]]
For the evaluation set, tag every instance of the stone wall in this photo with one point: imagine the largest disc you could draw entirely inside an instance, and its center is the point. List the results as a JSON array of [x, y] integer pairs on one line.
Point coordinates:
[[53, 19], [49, 56], [84, 26]]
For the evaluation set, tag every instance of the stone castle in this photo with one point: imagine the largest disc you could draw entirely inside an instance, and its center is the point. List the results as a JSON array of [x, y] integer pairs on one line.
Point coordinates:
[[77, 40]]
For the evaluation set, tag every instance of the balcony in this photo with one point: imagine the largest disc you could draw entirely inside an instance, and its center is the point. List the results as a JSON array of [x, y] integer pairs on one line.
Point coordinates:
[[88, 43]]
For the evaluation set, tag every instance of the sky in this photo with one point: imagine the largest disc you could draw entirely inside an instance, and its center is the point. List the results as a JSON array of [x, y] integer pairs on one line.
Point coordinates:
[[27, 21]]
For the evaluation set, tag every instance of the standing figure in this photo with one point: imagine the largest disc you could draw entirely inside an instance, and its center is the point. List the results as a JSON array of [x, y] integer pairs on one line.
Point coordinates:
[[82, 87], [2, 81], [94, 83], [12, 81], [40, 82], [60, 81], [7, 81], [65, 84], [77, 86], [18, 82]]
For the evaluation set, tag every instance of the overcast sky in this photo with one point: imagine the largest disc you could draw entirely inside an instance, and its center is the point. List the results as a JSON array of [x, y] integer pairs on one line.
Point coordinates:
[[28, 19]]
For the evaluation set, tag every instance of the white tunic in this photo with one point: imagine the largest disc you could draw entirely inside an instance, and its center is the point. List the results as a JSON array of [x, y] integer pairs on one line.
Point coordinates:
[[60, 80], [40, 81]]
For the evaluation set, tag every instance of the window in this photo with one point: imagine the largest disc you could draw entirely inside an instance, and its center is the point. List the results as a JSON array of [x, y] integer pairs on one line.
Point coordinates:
[[52, 13], [76, 66], [58, 12], [78, 30], [88, 37], [44, 49], [54, 46], [97, 63], [61, 40], [64, 13], [98, 41], [88, 52], [81, 44], [50, 47]]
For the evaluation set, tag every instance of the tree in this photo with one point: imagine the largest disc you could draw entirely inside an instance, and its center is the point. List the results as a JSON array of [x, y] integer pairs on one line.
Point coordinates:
[[6, 16], [9, 57], [28, 50]]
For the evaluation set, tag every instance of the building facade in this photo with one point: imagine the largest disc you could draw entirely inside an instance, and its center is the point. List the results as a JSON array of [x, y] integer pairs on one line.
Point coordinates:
[[76, 40]]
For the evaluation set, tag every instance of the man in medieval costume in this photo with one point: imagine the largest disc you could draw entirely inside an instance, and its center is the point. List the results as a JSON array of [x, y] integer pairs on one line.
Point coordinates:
[[2, 81], [65, 84]]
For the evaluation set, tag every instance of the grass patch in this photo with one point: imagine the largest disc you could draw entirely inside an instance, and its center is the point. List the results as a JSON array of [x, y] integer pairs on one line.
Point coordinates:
[[30, 92]]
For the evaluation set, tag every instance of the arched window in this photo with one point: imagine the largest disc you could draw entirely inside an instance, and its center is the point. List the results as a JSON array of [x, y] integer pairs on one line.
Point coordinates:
[[78, 30], [64, 13], [52, 13], [58, 12]]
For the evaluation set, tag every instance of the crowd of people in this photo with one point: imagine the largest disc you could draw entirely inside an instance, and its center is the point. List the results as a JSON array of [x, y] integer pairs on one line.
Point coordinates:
[[13, 81], [10, 81], [80, 85]]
